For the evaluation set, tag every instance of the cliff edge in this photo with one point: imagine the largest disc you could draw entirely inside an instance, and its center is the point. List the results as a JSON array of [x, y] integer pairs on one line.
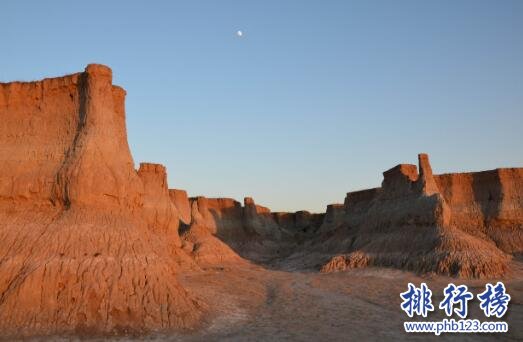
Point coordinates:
[[88, 244]]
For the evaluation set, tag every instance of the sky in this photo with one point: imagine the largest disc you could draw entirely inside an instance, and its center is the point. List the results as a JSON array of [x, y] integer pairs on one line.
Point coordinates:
[[317, 98]]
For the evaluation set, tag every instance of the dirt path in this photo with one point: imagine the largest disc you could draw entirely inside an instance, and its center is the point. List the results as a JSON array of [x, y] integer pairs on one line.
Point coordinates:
[[256, 304], [252, 303]]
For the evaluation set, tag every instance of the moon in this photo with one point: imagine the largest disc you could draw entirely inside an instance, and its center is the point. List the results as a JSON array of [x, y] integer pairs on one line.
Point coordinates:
[[239, 33]]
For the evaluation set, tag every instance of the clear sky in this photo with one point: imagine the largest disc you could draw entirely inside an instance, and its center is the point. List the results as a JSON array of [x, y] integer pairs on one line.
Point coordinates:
[[316, 99]]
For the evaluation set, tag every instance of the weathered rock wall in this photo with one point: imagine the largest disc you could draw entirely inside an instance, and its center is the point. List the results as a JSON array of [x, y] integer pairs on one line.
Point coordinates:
[[87, 244], [38, 126], [158, 210], [487, 204], [458, 224], [181, 201], [221, 229]]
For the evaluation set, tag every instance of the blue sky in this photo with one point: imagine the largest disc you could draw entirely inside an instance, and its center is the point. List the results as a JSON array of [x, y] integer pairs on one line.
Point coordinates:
[[316, 99]]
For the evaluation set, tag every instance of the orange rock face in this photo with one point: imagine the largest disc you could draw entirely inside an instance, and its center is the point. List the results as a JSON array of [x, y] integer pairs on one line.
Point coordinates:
[[466, 225], [487, 204], [457, 224], [86, 241], [181, 202]]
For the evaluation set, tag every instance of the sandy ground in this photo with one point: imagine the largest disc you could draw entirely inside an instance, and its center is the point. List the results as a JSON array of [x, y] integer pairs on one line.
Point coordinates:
[[255, 303]]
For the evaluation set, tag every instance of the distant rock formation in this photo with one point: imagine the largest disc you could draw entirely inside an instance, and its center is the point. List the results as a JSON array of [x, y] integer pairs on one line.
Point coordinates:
[[221, 229], [457, 224], [467, 224]]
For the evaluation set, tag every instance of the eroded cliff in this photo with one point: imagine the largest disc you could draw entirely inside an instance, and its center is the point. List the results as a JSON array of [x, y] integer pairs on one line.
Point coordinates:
[[457, 224], [87, 243]]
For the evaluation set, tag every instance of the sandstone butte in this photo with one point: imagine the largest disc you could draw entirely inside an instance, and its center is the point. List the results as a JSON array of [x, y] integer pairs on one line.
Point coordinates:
[[89, 244]]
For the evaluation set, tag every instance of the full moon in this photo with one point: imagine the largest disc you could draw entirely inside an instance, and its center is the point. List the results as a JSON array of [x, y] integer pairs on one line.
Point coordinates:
[[239, 33]]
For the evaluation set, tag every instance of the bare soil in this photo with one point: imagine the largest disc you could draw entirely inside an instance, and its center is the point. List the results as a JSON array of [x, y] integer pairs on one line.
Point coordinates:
[[255, 303], [250, 302]]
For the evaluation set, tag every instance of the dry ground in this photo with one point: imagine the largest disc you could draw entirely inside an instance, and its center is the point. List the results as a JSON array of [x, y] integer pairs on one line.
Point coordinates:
[[256, 303]]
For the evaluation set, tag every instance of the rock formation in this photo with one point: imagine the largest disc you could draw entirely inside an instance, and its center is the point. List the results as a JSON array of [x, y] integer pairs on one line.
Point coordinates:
[[181, 201], [89, 244], [86, 241], [446, 224], [457, 224], [465, 225]]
